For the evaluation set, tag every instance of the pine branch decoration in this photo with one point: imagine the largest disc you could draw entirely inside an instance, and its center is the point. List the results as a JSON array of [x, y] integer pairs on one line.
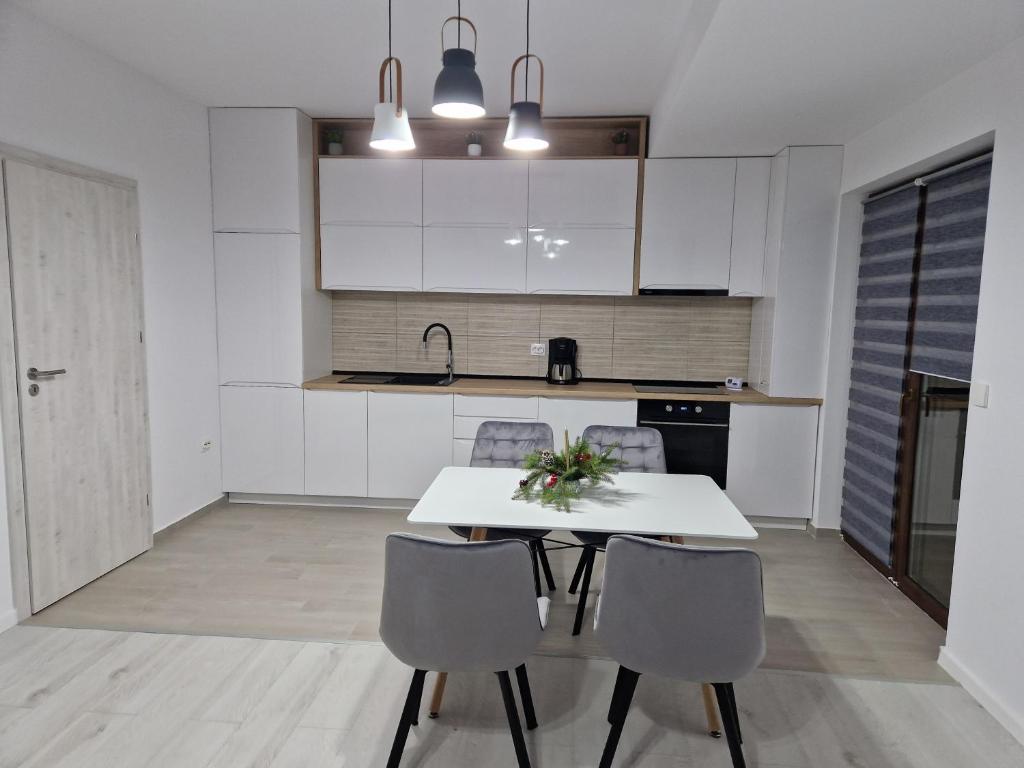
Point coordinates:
[[555, 479]]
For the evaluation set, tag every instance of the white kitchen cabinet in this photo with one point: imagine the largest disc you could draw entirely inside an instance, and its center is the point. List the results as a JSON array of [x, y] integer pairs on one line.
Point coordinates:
[[771, 459], [462, 451], [262, 447], [580, 261], [687, 223], [259, 308], [496, 406], [374, 258], [409, 441], [749, 225], [563, 413], [583, 193], [335, 443], [371, 191], [474, 259], [475, 193], [254, 159], [789, 326]]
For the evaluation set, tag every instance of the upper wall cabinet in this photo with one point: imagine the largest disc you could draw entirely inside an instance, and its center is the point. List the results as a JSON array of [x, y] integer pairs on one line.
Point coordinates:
[[371, 258], [255, 157], [580, 261], [749, 224], [687, 223], [583, 193], [474, 259], [357, 191], [475, 193]]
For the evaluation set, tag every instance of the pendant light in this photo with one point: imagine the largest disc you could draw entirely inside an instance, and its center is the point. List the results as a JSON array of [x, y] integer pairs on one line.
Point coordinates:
[[525, 131], [391, 129], [458, 91]]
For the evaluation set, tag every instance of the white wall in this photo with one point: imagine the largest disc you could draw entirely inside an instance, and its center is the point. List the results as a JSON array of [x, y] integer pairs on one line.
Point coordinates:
[[67, 100], [986, 621]]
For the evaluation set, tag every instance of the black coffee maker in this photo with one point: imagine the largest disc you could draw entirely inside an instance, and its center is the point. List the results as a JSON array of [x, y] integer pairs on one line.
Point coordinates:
[[562, 361]]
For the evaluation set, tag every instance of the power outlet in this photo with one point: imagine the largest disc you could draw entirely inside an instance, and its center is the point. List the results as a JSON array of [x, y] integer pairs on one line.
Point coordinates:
[[538, 350], [205, 445]]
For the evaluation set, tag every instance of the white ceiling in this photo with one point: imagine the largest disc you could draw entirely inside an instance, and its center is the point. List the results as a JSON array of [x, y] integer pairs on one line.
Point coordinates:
[[719, 76]]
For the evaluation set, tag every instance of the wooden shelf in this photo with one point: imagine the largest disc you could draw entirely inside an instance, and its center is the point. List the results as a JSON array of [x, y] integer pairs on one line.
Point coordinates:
[[436, 138]]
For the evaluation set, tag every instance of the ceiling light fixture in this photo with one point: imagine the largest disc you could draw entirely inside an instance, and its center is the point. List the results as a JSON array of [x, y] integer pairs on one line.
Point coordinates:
[[525, 130], [458, 91], [391, 130]]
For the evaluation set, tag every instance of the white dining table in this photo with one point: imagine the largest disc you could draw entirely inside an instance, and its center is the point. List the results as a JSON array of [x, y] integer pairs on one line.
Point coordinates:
[[674, 507]]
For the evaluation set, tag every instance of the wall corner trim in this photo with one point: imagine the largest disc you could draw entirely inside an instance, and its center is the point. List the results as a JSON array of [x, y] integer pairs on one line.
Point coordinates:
[[1010, 720]]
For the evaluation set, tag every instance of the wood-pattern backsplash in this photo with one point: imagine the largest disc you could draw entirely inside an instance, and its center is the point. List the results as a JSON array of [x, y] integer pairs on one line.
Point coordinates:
[[629, 337]]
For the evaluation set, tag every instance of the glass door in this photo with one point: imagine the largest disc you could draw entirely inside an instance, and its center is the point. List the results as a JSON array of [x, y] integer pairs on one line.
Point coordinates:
[[935, 424]]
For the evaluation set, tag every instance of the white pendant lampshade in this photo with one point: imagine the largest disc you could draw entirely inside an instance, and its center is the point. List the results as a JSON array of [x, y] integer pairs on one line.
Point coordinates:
[[458, 92], [525, 129], [391, 130]]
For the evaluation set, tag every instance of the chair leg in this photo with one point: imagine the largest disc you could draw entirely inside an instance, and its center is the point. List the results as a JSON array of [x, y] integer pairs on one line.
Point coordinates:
[[628, 679], [735, 712], [526, 697], [616, 694], [730, 723], [580, 566], [581, 606], [536, 567], [543, 555], [412, 705], [513, 720]]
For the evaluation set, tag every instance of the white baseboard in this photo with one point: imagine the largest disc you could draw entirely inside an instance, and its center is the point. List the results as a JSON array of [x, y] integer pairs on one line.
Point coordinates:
[[1011, 721], [321, 501], [788, 523], [8, 619]]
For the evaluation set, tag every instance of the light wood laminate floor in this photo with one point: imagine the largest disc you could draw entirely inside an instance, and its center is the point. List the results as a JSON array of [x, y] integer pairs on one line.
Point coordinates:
[[307, 573], [99, 699]]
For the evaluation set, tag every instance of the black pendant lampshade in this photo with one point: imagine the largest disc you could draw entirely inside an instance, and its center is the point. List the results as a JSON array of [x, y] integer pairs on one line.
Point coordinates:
[[525, 129], [458, 91]]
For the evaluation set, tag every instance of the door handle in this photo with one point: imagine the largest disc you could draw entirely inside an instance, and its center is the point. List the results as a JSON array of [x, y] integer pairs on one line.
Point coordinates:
[[35, 373]]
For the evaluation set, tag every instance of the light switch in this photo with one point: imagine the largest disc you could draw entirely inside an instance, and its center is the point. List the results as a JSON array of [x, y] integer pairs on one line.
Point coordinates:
[[979, 394]]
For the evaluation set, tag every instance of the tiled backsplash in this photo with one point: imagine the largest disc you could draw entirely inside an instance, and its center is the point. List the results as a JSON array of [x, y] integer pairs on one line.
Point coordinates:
[[628, 337]]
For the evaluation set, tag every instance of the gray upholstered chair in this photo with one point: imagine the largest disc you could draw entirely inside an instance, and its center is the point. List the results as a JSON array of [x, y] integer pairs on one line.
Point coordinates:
[[643, 451], [689, 613], [455, 606], [507, 444]]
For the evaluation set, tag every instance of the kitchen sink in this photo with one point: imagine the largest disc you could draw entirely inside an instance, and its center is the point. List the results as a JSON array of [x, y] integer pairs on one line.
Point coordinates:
[[401, 379]]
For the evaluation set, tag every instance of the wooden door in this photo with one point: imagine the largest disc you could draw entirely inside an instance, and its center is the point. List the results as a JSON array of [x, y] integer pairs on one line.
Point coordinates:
[[77, 286]]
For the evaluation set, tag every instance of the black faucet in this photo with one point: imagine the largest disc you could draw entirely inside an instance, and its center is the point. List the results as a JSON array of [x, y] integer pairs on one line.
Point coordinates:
[[451, 356]]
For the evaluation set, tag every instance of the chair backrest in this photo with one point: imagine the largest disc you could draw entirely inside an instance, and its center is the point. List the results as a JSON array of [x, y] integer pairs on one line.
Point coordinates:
[[452, 606], [507, 443], [640, 447], [691, 613]]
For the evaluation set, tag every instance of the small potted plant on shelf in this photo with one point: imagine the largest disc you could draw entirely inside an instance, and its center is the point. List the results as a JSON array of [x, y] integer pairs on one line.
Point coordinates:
[[621, 141], [474, 147], [334, 137]]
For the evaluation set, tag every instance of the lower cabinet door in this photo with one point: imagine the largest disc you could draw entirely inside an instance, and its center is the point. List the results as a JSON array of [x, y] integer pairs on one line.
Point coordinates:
[[261, 439], [335, 443], [462, 452], [409, 442], [474, 259], [580, 261], [576, 415], [374, 258], [771, 459]]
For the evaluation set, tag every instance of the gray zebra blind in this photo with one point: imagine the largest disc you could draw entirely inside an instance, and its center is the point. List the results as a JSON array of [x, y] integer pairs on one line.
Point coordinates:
[[882, 325], [950, 273]]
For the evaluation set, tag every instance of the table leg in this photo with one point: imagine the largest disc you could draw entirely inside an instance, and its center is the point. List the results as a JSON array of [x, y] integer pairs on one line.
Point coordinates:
[[711, 711], [477, 534]]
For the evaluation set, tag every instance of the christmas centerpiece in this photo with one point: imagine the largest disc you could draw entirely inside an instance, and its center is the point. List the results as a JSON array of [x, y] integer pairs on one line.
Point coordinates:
[[556, 478]]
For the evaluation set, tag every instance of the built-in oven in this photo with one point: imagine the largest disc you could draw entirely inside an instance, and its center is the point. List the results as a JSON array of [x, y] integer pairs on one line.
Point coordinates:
[[696, 435]]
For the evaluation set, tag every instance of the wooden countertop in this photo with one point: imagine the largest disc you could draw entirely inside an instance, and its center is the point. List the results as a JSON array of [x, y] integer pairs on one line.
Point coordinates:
[[585, 390]]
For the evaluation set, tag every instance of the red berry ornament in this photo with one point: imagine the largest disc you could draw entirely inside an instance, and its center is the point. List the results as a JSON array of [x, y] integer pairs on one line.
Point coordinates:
[[552, 481]]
